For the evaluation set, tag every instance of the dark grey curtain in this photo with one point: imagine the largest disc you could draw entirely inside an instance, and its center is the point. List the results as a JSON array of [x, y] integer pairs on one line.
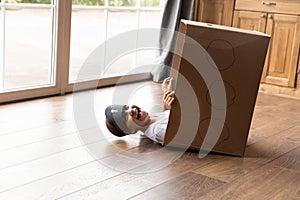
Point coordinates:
[[174, 11]]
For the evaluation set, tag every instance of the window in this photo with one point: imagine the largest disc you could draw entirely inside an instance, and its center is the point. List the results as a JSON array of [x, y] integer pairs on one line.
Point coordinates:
[[27, 44], [42, 48], [94, 22]]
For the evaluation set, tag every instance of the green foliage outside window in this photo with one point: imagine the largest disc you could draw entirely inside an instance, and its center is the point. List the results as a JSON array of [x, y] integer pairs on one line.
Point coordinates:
[[143, 3], [29, 1], [89, 2], [150, 3], [122, 2]]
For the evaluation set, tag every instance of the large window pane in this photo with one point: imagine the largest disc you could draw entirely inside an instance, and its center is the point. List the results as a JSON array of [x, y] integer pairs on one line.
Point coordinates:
[[148, 19], [118, 22], [87, 33], [28, 48], [92, 26]]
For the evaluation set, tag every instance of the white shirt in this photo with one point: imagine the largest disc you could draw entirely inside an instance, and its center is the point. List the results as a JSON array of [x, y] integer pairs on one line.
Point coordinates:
[[157, 130]]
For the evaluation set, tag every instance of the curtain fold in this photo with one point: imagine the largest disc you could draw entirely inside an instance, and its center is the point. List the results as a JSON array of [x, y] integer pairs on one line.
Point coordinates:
[[174, 11]]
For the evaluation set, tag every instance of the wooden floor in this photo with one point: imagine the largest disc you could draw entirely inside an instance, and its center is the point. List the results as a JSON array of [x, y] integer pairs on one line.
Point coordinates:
[[42, 155]]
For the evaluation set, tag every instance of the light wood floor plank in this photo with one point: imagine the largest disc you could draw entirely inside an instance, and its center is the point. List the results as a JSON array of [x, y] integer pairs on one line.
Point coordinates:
[[275, 146], [256, 155], [22, 174], [38, 150], [195, 186], [128, 185], [51, 131], [273, 115], [44, 148], [60, 184], [50, 165], [28, 115], [290, 160], [268, 182]]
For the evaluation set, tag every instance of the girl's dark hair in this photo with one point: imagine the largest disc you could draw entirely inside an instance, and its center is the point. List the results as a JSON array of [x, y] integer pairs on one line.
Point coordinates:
[[114, 130]]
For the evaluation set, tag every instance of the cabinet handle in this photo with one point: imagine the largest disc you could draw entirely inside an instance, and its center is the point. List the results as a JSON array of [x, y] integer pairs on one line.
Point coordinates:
[[269, 3], [263, 15], [270, 16]]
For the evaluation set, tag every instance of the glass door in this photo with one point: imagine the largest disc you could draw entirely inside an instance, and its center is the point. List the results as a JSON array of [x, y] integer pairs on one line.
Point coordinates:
[[27, 48], [45, 43], [94, 23]]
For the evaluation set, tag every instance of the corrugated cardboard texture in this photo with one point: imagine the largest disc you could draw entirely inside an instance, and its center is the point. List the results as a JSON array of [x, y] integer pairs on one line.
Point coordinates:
[[239, 56]]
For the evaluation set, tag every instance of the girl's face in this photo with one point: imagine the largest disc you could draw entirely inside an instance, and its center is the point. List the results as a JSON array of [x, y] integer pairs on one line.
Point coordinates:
[[136, 118]]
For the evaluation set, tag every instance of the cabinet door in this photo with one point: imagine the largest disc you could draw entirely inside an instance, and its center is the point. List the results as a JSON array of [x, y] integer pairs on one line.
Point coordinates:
[[250, 20], [281, 65], [216, 11]]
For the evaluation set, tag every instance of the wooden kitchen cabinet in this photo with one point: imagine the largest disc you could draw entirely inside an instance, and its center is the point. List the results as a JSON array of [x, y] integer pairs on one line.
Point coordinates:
[[250, 20], [281, 65], [215, 11], [282, 58]]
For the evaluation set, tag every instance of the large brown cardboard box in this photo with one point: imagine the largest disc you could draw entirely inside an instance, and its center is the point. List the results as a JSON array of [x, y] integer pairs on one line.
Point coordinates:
[[238, 59]]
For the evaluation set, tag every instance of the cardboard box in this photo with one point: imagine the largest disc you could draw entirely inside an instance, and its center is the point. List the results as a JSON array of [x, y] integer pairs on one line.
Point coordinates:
[[239, 57]]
